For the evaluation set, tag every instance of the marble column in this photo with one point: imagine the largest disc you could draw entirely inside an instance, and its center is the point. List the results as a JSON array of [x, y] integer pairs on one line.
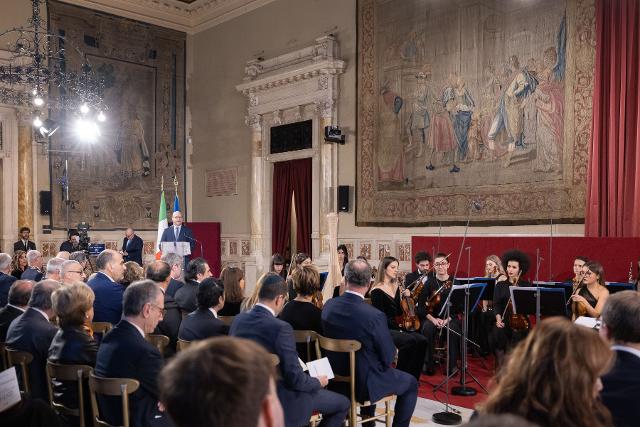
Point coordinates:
[[254, 269], [25, 172], [327, 175]]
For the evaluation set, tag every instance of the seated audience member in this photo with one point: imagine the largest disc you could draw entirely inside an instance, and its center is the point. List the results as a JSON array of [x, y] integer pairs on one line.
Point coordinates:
[[33, 271], [349, 317], [63, 255], [221, 382], [277, 265], [125, 353], [621, 385], [19, 295], [6, 279], [106, 287], [33, 332], [53, 269], [301, 313], [552, 378], [250, 302], [176, 262], [160, 273], [71, 272], [18, 264], [203, 322], [299, 393], [73, 344], [299, 260], [132, 273], [197, 271], [81, 257], [233, 282]]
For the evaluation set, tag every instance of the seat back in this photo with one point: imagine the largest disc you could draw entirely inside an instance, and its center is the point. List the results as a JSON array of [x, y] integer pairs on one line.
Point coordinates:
[[20, 359], [227, 320], [121, 387], [309, 338], [77, 373], [101, 327], [183, 345], [159, 341]]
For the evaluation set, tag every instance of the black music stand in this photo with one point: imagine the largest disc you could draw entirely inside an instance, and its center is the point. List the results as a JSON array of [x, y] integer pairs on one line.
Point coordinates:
[[490, 283], [538, 301], [614, 287]]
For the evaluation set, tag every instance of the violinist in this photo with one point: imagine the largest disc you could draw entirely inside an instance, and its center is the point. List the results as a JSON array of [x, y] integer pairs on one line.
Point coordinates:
[[509, 328], [423, 267], [386, 297], [483, 318], [430, 304], [590, 295]]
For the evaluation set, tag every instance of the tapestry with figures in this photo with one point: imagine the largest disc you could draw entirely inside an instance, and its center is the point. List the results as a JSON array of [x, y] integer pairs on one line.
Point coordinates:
[[114, 181], [473, 110]]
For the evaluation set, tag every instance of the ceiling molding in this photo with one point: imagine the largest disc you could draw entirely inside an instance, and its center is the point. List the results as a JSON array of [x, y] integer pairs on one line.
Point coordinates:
[[188, 17]]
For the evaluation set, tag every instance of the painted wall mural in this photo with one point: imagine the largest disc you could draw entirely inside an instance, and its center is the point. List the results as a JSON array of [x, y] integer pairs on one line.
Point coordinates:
[[486, 101], [114, 181]]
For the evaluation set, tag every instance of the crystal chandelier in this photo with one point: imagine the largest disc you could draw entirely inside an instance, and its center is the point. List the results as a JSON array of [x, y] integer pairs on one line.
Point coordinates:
[[37, 75]]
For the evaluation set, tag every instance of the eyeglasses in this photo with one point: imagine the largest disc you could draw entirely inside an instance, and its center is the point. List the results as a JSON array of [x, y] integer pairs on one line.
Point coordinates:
[[587, 273], [441, 264], [163, 310], [74, 271]]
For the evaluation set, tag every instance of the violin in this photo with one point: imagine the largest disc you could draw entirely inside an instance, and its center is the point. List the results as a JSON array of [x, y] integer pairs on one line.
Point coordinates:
[[577, 308], [409, 320], [435, 299], [517, 322]]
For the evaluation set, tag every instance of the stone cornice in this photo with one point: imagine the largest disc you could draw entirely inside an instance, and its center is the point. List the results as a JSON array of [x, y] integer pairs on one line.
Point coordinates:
[[190, 18]]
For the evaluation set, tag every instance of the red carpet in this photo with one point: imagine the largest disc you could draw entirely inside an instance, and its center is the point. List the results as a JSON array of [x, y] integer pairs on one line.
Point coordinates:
[[482, 369]]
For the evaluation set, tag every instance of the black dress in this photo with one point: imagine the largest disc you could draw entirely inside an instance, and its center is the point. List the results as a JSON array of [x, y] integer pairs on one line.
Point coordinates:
[[302, 316], [505, 338], [591, 299], [429, 330], [411, 345], [230, 309]]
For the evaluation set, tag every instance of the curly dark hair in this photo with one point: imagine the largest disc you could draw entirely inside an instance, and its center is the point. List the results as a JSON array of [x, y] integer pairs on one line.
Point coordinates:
[[520, 257]]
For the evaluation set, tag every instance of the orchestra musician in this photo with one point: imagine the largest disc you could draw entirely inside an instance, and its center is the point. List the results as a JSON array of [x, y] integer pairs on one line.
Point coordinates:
[[423, 267], [429, 307], [578, 269], [483, 318], [386, 297], [590, 295], [509, 328]]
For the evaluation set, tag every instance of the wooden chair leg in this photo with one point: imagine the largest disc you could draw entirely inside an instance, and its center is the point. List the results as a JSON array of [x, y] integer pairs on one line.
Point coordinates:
[[387, 407]]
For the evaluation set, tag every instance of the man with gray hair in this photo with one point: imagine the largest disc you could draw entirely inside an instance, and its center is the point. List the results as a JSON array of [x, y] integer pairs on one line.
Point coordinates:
[[125, 353], [33, 271], [176, 262], [71, 271], [5, 278], [621, 385], [19, 295], [349, 317], [107, 306], [53, 269], [33, 332]]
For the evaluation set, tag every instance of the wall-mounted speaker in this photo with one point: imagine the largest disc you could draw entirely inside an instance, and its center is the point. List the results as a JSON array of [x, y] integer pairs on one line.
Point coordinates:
[[343, 198], [45, 203]]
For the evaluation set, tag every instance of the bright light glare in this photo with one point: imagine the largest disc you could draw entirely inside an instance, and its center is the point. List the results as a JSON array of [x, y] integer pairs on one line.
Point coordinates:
[[101, 117], [84, 108], [87, 131], [37, 122], [38, 101]]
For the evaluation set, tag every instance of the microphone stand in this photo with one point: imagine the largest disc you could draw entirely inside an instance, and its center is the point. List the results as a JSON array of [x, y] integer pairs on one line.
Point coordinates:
[[197, 241]]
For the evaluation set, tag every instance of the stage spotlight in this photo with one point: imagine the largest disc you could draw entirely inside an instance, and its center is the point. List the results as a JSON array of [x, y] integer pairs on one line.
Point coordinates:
[[86, 131], [101, 117], [38, 101], [84, 108], [37, 122], [48, 128]]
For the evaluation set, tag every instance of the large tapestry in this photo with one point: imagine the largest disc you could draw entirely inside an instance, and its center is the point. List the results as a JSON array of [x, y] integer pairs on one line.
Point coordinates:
[[461, 102], [114, 181]]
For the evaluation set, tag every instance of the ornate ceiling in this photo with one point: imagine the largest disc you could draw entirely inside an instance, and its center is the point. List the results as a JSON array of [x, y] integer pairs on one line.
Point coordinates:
[[191, 16]]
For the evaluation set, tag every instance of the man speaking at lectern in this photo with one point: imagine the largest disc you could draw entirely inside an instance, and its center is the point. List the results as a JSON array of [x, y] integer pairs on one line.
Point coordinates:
[[179, 233]]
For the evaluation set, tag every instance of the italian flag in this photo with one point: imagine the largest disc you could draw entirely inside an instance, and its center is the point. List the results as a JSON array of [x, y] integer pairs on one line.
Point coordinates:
[[162, 224]]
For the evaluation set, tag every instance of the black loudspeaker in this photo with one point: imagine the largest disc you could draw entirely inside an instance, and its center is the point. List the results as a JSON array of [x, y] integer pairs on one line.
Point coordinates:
[[343, 198], [45, 203]]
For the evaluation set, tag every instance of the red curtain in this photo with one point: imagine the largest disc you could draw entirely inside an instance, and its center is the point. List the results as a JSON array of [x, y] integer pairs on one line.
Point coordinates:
[[613, 183], [291, 177]]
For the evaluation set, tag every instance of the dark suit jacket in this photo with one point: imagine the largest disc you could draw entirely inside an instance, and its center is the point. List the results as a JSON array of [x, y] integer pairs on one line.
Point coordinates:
[[33, 333], [413, 276], [124, 353], [170, 324], [276, 336], [31, 274], [6, 280], [621, 388], [68, 246], [134, 250], [19, 246], [200, 325], [349, 317], [186, 235], [186, 296], [107, 306], [173, 287], [7, 314]]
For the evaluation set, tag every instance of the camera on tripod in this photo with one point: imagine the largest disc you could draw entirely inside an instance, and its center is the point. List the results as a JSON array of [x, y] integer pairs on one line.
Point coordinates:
[[83, 233]]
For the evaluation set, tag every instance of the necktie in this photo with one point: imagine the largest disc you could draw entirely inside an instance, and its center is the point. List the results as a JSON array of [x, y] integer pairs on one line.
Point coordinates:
[[177, 232]]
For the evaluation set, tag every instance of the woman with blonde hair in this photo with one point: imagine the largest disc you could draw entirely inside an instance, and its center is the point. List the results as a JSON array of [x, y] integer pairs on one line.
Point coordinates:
[[552, 378], [18, 264], [233, 283], [252, 300], [132, 273], [493, 268]]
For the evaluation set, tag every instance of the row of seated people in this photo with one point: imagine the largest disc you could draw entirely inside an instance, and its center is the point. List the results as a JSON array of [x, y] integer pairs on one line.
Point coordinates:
[[143, 304]]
